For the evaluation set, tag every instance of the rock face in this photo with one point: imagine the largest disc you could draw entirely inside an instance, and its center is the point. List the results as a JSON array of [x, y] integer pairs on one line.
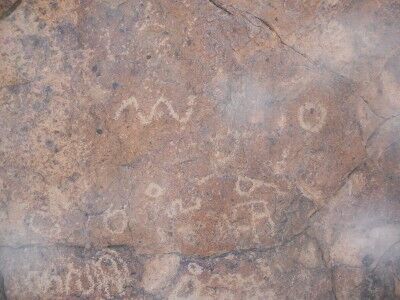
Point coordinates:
[[200, 149]]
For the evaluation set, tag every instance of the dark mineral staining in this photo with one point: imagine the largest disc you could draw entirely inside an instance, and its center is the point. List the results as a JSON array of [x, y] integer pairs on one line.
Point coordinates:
[[51, 146], [68, 36], [115, 85], [74, 177], [95, 70], [7, 7], [53, 5]]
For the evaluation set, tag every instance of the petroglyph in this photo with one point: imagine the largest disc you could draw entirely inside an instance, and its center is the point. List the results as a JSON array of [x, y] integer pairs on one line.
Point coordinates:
[[106, 274], [115, 221], [203, 180], [255, 213], [154, 113], [178, 206], [126, 103], [153, 190], [148, 119], [194, 269], [214, 150], [225, 146], [47, 282], [245, 186], [279, 166], [312, 116], [111, 271], [43, 223]]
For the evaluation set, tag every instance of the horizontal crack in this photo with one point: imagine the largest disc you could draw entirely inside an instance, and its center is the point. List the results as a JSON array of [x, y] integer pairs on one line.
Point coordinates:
[[238, 252]]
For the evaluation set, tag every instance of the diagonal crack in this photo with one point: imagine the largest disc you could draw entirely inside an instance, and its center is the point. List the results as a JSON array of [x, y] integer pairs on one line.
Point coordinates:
[[294, 49], [278, 36], [275, 32], [220, 6], [328, 266], [8, 11], [378, 128], [266, 24], [371, 109]]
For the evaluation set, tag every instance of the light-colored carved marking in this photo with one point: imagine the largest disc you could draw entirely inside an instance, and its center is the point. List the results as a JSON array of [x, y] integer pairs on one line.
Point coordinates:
[[147, 119], [115, 221], [258, 212], [203, 180], [39, 283], [153, 190], [73, 280], [194, 269], [224, 154], [310, 192], [106, 274], [245, 186], [112, 271], [128, 102], [44, 224], [179, 207], [312, 116], [279, 166]]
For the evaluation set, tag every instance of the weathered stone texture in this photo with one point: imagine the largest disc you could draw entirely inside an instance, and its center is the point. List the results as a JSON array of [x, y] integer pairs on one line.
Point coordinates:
[[200, 149]]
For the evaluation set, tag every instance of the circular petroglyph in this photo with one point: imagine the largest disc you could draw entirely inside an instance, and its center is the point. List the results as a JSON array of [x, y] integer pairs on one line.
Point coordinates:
[[154, 190], [116, 221], [312, 116], [244, 186]]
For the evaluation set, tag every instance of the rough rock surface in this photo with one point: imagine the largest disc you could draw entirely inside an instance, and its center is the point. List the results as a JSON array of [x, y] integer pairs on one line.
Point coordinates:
[[202, 149]]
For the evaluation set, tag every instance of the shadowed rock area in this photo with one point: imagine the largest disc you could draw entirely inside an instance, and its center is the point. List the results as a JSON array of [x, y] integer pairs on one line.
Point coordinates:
[[200, 149]]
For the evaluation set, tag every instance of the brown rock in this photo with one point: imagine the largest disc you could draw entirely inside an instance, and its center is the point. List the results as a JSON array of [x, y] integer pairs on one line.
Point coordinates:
[[212, 149]]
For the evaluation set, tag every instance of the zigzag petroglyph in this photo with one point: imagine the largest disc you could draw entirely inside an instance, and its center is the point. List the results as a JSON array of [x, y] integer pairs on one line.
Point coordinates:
[[147, 119]]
